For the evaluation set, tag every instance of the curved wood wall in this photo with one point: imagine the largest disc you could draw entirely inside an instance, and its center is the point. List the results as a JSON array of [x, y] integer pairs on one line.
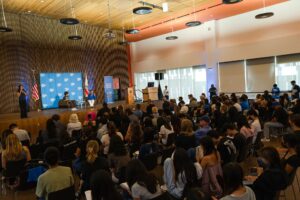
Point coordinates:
[[42, 44]]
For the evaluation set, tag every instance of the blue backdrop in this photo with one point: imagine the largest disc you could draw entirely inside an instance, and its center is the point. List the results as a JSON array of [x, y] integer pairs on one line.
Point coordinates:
[[53, 86], [108, 89]]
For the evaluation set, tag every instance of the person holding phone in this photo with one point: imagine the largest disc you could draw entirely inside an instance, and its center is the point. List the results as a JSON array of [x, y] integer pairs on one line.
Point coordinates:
[[21, 92]]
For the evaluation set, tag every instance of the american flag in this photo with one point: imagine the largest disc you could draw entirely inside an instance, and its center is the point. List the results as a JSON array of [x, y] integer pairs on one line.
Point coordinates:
[[86, 86], [35, 91]]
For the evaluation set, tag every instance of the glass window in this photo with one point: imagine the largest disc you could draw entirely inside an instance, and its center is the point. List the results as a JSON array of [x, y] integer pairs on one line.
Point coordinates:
[[285, 73]]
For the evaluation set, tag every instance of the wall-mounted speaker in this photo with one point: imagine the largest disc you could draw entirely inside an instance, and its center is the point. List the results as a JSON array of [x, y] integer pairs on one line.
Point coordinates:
[[159, 76]]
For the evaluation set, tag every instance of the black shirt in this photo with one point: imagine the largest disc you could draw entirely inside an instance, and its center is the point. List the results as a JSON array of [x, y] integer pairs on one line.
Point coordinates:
[[185, 141], [295, 92], [227, 150], [239, 142], [281, 116]]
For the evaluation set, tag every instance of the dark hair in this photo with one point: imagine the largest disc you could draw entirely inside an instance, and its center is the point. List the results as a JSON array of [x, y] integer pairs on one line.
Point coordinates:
[[208, 145], [104, 104], [102, 186], [233, 177], [148, 122], [295, 119], [213, 134], [149, 134], [137, 172], [4, 135], [166, 123], [116, 146], [111, 129], [55, 117], [275, 85], [138, 106], [19, 87], [51, 156], [252, 112], [292, 141], [136, 132], [184, 166], [272, 156], [66, 92], [227, 126], [12, 126], [51, 129], [242, 121]]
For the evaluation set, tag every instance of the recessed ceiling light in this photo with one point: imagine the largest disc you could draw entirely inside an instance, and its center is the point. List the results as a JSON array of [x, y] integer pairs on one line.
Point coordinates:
[[172, 37], [193, 23], [42, 1], [142, 10], [29, 11], [231, 1], [264, 15], [5, 29], [132, 31], [69, 21], [75, 37]]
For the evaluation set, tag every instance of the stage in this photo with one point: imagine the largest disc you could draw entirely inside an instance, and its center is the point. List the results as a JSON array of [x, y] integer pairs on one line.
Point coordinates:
[[36, 121]]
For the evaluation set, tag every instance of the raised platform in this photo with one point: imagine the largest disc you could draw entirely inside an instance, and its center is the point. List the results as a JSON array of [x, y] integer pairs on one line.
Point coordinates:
[[37, 120]]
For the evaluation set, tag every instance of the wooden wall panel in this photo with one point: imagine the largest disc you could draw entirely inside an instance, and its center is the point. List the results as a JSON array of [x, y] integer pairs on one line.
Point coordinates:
[[42, 44]]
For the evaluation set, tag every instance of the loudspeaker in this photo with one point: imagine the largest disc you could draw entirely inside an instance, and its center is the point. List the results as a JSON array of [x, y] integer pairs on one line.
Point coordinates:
[[159, 76]]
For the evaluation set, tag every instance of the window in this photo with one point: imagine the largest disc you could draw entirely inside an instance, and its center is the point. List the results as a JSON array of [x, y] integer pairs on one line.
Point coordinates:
[[285, 73], [180, 82]]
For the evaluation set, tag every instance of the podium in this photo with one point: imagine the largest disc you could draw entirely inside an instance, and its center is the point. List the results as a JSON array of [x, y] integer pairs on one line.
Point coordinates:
[[150, 93], [130, 96]]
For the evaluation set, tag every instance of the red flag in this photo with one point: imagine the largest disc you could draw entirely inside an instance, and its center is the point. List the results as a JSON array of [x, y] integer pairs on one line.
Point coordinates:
[[86, 86], [35, 91]]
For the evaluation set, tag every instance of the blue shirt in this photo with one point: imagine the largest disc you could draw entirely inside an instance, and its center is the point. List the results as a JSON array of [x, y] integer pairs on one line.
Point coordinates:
[[201, 132], [276, 92], [91, 97], [245, 105]]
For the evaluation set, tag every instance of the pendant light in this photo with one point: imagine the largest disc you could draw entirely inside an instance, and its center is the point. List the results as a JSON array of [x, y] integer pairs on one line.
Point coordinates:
[[195, 22], [4, 28], [124, 42], [172, 37], [143, 10], [264, 14], [109, 34], [231, 1], [133, 30], [70, 20]]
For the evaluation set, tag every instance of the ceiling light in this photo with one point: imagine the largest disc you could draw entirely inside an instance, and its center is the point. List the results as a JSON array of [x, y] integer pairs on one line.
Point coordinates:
[[231, 1], [172, 37], [264, 15], [69, 21], [5, 29], [143, 10], [109, 35], [75, 37], [132, 31], [165, 7], [193, 23]]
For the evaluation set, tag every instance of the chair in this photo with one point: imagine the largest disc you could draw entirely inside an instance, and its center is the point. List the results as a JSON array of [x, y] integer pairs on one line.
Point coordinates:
[[150, 161], [67, 194], [277, 131], [257, 144], [11, 174]]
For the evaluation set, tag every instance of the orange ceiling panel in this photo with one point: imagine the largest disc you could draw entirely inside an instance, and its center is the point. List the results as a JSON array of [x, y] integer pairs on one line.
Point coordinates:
[[211, 11]]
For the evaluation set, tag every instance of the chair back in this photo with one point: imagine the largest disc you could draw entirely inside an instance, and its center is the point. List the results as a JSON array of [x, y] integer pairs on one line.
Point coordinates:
[[14, 168], [67, 194]]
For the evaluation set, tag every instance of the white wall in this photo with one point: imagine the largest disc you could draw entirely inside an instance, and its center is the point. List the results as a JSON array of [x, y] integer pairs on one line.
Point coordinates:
[[234, 38]]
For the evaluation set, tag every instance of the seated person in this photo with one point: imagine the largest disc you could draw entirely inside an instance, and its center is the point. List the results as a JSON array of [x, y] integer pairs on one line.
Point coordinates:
[[66, 102], [49, 135], [270, 178], [91, 98], [244, 127], [20, 133], [148, 146], [186, 137], [203, 128], [89, 121], [165, 130], [56, 177], [74, 124], [14, 151]]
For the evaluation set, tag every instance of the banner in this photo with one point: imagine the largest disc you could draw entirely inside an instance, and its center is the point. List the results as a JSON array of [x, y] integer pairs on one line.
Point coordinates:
[[108, 89]]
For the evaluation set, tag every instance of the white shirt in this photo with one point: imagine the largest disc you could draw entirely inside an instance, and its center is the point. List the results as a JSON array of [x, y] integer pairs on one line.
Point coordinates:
[[102, 131], [165, 132], [21, 134], [73, 126], [105, 140], [166, 92], [238, 107]]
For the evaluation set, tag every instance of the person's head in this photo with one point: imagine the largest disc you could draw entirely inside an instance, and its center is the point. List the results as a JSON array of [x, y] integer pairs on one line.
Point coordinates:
[[242, 122], [104, 105], [51, 156], [186, 126], [91, 91], [13, 147], [149, 135], [73, 118], [293, 83], [230, 129], [56, 117], [92, 150], [291, 141], [136, 132], [112, 130], [207, 145], [166, 87], [102, 186], [116, 146], [295, 121], [13, 126], [180, 99], [167, 123], [137, 172], [252, 114], [204, 121], [215, 136], [66, 93], [266, 92], [212, 85], [269, 158], [234, 99], [4, 135], [138, 106], [154, 110], [184, 166], [51, 128], [233, 177], [275, 85], [148, 122]]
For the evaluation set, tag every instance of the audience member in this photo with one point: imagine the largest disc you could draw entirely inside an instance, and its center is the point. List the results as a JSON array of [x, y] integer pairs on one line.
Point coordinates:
[[105, 139], [20, 133], [104, 109], [4, 135], [138, 111], [74, 123], [203, 128], [165, 130], [244, 127], [186, 137], [291, 159], [60, 127], [275, 91], [134, 136], [49, 135], [295, 90]]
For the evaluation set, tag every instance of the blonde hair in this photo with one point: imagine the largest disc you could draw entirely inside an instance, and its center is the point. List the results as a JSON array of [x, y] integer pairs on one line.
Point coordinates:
[[186, 126], [13, 147], [73, 118], [154, 109], [92, 149]]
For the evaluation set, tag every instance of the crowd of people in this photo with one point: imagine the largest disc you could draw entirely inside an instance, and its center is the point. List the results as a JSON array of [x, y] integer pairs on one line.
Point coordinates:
[[200, 146]]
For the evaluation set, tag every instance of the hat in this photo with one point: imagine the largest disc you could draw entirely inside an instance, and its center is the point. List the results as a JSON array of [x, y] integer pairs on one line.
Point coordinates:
[[205, 118]]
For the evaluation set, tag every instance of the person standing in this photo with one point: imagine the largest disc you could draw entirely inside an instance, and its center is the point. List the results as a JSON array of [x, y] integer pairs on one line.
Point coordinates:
[[91, 98], [295, 90], [166, 93], [22, 101], [275, 91], [212, 91]]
